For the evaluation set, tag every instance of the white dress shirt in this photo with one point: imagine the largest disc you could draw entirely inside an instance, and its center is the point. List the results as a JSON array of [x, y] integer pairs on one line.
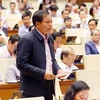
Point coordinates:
[[97, 46], [66, 68], [12, 74], [58, 53], [4, 53]]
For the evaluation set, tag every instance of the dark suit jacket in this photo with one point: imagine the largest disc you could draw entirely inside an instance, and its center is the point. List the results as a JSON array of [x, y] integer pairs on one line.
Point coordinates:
[[31, 61], [90, 48]]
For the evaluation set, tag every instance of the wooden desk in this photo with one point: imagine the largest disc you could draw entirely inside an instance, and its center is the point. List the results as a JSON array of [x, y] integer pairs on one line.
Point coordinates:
[[79, 65], [6, 90], [11, 32], [64, 85]]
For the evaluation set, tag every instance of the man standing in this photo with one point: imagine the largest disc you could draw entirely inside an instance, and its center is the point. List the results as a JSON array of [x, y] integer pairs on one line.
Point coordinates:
[[35, 59]]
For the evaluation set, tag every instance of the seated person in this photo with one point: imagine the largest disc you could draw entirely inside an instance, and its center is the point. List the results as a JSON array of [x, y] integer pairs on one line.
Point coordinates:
[[57, 37], [26, 19], [4, 26], [12, 9], [68, 58], [13, 74], [27, 5], [64, 14], [93, 47], [92, 24], [8, 50], [68, 24], [54, 12], [83, 20], [68, 7], [79, 90]]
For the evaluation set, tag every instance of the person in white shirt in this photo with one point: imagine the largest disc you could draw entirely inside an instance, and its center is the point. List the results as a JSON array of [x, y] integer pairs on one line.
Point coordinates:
[[64, 14], [68, 7], [74, 5], [8, 50], [68, 58], [83, 20], [57, 37], [92, 24], [54, 12], [12, 9], [13, 74]]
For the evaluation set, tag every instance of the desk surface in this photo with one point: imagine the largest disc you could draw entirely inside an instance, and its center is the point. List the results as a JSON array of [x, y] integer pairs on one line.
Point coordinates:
[[11, 32], [64, 85]]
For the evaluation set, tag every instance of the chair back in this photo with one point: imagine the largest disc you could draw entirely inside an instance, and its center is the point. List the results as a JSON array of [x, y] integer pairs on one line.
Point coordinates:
[[92, 62], [86, 39], [4, 63], [78, 49], [92, 78]]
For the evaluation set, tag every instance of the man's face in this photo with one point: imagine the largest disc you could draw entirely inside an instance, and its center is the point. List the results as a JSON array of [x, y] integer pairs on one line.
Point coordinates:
[[92, 25], [70, 58], [68, 23], [82, 15], [53, 13], [57, 42], [21, 6], [96, 36], [45, 27], [26, 20], [12, 47], [65, 14], [96, 3], [25, 2], [12, 7], [73, 2]]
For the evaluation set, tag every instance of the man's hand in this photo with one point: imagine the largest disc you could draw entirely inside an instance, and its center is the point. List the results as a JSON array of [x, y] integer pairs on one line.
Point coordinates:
[[49, 76], [62, 74]]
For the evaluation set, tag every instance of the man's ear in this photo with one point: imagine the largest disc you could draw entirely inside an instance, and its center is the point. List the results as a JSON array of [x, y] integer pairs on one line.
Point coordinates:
[[9, 42], [64, 56], [37, 24]]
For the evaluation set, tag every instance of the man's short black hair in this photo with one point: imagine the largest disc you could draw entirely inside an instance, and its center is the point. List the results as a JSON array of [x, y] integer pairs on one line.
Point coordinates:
[[56, 34], [66, 6], [14, 38], [84, 5], [95, 20], [26, 13], [67, 18], [38, 16], [63, 11], [12, 3], [53, 7]]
